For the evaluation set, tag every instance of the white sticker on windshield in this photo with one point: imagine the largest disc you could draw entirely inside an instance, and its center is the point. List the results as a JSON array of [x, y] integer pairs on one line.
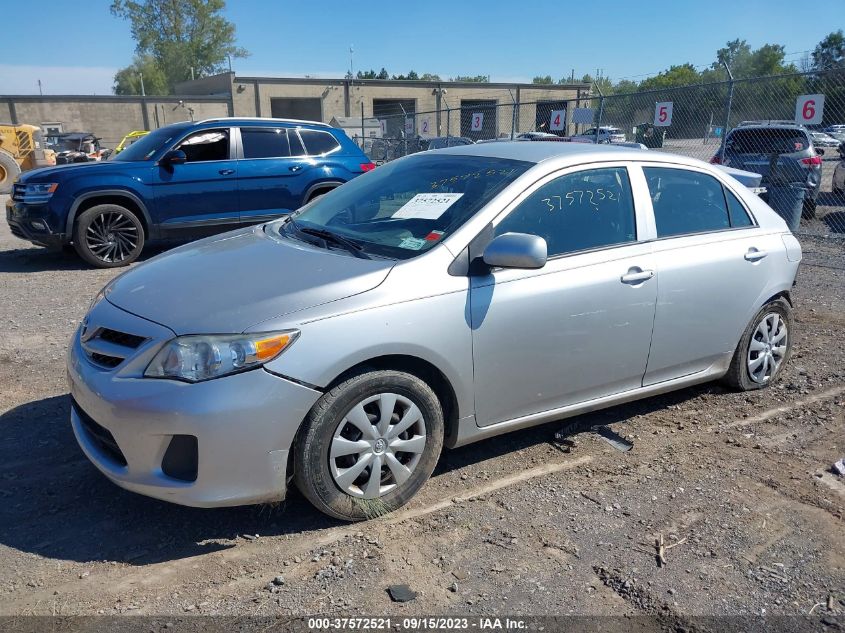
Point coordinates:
[[427, 206], [413, 243]]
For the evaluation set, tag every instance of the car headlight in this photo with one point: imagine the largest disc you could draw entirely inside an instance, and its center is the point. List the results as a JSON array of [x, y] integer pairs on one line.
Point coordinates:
[[199, 357], [40, 189]]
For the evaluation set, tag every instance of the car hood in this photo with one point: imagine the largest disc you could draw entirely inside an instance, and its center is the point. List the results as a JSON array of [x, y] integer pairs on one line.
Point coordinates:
[[46, 174], [227, 283]]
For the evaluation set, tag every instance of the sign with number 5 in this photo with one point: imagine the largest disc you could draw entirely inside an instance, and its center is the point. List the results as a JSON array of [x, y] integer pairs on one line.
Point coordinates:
[[808, 109], [558, 120], [477, 121], [663, 114]]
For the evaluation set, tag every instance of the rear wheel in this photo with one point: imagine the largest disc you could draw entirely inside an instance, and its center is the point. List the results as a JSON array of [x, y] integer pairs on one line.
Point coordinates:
[[108, 236], [9, 170], [764, 348], [369, 445]]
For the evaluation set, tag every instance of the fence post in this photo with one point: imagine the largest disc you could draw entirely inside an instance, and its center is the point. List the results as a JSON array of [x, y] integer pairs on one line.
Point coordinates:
[[513, 114], [448, 123], [601, 112], [362, 124], [727, 112]]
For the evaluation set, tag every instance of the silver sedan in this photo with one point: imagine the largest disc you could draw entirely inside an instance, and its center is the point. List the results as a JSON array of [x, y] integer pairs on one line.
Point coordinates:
[[444, 298]]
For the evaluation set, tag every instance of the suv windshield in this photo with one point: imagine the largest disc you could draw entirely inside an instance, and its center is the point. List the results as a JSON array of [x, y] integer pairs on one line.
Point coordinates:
[[147, 146], [405, 207], [767, 141]]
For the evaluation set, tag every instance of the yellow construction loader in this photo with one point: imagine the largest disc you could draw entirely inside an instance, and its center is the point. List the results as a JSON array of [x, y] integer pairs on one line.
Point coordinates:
[[21, 148]]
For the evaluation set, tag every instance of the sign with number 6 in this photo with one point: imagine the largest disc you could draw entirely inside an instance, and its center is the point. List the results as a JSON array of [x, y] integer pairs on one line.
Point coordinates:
[[663, 114], [558, 120], [477, 121], [808, 109]]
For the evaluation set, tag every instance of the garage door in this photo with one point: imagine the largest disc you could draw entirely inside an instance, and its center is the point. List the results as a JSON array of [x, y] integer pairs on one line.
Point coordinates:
[[305, 108], [485, 107]]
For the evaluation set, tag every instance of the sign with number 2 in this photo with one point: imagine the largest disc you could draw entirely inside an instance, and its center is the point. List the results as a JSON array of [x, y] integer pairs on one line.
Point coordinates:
[[477, 121], [808, 109], [663, 114]]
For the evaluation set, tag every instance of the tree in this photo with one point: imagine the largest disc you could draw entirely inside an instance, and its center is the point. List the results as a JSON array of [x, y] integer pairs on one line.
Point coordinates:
[[429, 77], [411, 76], [543, 80], [681, 75], [735, 54], [180, 35], [383, 74], [479, 79], [370, 74], [830, 52], [127, 81]]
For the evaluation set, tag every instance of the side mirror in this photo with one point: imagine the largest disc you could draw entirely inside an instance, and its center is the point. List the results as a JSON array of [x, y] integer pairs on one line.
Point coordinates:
[[174, 157], [516, 250]]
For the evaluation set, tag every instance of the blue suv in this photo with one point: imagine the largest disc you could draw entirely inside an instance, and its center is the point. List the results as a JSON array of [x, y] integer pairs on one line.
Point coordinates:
[[182, 181]]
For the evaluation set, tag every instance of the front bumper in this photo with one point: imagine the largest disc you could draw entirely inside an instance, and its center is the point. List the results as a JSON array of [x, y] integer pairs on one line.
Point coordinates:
[[244, 424], [35, 223]]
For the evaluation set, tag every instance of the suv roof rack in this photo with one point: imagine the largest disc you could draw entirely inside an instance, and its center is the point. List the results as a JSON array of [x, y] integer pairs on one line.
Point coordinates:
[[769, 122], [262, 118]]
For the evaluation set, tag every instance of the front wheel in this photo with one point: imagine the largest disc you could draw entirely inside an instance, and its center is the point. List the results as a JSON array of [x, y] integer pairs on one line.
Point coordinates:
[[108, 235], [764, 348], [369, 445]]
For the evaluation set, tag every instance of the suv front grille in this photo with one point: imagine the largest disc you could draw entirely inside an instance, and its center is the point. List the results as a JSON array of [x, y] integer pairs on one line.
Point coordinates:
[[109, 348]]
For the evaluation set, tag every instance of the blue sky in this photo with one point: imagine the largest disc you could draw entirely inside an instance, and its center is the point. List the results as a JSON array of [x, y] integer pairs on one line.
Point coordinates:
[[79, 44]]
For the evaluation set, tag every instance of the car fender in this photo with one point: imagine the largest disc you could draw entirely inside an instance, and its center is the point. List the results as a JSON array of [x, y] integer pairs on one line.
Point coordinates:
[[321, 184], [110, 193]]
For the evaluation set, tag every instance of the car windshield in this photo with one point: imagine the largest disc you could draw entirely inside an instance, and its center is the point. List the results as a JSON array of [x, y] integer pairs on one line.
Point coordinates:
[[146, 147], [405, 207], [767, 141]]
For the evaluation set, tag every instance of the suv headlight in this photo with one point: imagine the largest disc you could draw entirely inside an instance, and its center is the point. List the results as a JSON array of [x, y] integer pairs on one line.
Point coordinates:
[[40, 189], [199, 357]]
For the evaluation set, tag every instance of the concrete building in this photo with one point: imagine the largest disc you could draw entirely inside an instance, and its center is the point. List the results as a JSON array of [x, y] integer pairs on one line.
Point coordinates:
[[402, 108]]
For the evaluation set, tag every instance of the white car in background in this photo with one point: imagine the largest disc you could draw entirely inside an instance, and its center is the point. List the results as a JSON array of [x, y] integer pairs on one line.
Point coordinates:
[[606, 134]]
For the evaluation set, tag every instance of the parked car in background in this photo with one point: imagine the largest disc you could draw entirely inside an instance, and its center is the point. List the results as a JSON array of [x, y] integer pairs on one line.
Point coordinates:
[[839, 173], [837, 128], [782, 152], [606, 134], [820, 139], [77, 147], [445, 298], [538, 136], [182, 181], [439, 142]]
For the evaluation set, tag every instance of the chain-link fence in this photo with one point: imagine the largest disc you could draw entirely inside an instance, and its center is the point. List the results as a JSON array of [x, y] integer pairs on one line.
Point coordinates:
[[751, 124]]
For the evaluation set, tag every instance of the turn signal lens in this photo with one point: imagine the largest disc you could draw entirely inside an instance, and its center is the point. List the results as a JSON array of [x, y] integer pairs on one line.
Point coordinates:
[[268, 348]]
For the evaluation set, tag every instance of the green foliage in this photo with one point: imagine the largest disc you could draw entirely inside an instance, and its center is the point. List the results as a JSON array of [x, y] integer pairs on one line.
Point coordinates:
[[177, 35], [543, 80], [830, 52], [127, 81], [411, 76], [479, 79]]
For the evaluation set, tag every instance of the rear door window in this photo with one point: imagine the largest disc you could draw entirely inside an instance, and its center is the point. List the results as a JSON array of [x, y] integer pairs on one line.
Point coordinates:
[[318, 143], [265, 142], [686, 201]]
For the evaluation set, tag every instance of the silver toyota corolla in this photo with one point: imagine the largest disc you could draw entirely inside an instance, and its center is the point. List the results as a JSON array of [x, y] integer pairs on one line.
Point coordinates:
[[444, 298]]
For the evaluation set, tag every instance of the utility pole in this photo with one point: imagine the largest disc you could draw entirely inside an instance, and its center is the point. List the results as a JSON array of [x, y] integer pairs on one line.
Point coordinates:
[[351, 55], [192, 73], [141, 77], [40, 91]]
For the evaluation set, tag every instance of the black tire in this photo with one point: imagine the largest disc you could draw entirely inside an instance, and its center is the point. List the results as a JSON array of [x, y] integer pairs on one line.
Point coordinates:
[[9, 170], [92, 228], [738, 376], [808, 211], [312, 471]]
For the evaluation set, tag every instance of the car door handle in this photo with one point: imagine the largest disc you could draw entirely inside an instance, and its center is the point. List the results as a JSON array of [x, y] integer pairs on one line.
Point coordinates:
[[296, 168], [753, 255], [637, 275], [226, 172]]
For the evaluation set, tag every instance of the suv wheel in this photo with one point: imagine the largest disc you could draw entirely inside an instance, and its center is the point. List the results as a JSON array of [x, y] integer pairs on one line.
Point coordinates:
[[108, 236], [369, 445]]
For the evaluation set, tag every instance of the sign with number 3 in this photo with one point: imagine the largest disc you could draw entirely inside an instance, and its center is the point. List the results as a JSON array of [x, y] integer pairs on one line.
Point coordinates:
[[663, 114], [477, 121], [808, 109]]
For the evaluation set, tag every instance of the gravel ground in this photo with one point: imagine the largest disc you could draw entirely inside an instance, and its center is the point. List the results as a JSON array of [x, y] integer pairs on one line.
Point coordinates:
[[737, 485]]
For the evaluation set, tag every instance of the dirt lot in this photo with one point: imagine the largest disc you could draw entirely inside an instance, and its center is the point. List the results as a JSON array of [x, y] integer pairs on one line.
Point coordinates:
[[737, 484]]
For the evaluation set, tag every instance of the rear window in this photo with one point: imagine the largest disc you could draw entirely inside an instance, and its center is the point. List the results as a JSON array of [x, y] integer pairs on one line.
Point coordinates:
[[317, 142], [767, 141]]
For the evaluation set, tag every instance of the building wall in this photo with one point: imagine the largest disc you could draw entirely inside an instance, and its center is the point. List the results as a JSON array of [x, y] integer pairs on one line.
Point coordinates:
[[109, 117]]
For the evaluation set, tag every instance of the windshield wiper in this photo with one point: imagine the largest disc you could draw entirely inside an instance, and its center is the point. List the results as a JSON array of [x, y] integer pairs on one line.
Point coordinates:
[[353, 247]]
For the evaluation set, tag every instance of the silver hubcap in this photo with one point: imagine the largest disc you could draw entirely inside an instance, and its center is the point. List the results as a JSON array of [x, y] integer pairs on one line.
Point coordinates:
[[768, 348], [377, 445], [112, 237]]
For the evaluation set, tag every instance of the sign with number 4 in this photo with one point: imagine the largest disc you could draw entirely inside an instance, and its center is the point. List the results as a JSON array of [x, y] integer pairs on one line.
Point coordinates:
[[558, 120], [477, 121], [808, 109], [663, 114]]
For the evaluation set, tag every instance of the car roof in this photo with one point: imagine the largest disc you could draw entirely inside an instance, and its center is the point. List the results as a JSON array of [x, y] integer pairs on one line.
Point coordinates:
[[263, 120], [539, 151]]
